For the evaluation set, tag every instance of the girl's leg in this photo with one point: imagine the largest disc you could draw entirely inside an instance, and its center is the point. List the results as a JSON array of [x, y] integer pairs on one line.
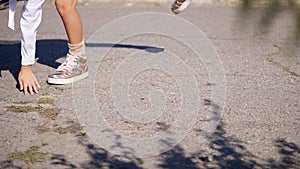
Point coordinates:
[[75, 66], [71, 20]]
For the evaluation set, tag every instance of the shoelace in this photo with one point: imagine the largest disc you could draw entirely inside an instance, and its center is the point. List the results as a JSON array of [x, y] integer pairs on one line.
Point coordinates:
[[68, 64], [72, 56]]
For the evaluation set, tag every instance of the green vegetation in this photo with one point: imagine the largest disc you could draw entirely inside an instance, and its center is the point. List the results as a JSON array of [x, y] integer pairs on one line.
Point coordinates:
[[69, 129], [74, 129], [23, 102], [46, 99], [23, 109], [30, 156], [81, 134], [49, 113], [42, 129], [270, 59]]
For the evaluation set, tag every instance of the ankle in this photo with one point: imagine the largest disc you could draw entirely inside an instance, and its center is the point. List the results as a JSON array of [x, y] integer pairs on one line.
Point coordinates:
[[77, 49]]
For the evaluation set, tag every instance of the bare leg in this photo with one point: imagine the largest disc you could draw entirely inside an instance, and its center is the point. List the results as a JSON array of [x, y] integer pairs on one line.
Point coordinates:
[[71, 20], [75, 66]]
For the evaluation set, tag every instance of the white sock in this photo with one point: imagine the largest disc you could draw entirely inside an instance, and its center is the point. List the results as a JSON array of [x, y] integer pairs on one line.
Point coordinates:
[[77, 49]]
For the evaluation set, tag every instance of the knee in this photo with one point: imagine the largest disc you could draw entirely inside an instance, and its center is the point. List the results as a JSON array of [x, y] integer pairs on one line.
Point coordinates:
[[64, 5]]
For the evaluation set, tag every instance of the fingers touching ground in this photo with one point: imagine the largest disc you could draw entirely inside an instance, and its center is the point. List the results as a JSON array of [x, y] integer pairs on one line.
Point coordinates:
[[27, 80]]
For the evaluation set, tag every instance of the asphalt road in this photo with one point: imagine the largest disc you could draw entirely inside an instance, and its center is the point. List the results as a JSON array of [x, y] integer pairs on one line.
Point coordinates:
[[258, 128]]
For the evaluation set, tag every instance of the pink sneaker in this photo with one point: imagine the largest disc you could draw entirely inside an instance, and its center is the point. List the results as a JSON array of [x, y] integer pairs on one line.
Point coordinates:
[[73, 69], [180, 5]]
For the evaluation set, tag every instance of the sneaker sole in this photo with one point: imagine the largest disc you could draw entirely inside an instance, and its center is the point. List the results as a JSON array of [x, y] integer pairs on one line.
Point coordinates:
[[67, 81], [182, 7]]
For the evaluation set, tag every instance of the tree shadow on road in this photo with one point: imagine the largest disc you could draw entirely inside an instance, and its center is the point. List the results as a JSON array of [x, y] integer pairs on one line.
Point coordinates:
[[100, 158], [227, 152], [290, 155], [8, 164], [177, 158], [221, 151], [230, 151]]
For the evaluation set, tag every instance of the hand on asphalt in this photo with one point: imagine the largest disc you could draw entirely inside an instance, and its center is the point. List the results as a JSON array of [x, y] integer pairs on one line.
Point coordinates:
[[27, 80]]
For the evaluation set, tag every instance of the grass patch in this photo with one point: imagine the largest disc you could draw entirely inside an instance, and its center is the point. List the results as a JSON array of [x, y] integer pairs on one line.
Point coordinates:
[[69, 129], [280, 49], [270, 59], [81, 134], [30, 156], [23, 102], [74, 129], [23, 109], [42, 129], [49, 113], [46, 99], [279, 65]]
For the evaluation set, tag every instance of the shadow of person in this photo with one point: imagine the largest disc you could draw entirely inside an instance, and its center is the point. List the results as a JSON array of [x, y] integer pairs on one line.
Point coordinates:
[[48, 51], [10, 57]]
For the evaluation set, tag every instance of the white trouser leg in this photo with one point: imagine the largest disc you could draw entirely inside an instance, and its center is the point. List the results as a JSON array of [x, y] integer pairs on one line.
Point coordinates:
[[31, 17]]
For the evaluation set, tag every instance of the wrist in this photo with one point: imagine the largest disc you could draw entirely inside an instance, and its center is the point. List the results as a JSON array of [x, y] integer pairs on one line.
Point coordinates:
[[26, 67]]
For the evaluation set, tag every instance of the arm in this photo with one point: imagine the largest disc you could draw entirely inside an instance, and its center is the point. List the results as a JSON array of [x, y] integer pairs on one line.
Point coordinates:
[[31, 16]]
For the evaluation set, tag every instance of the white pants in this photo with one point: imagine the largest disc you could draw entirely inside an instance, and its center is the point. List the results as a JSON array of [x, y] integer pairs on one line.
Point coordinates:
[[31, 17]]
